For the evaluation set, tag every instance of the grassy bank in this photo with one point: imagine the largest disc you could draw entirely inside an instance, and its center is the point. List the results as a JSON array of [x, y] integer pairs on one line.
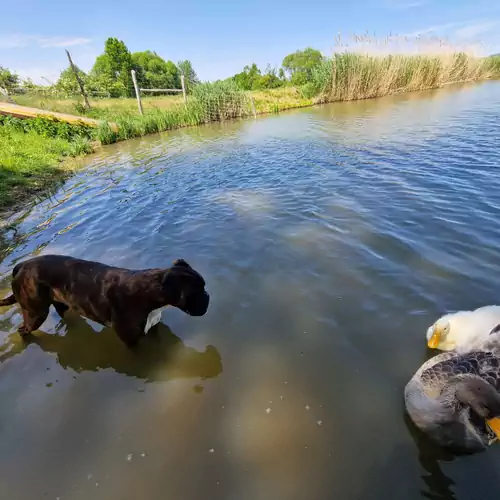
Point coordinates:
[[30, 151], [29, 164], [30, 156]]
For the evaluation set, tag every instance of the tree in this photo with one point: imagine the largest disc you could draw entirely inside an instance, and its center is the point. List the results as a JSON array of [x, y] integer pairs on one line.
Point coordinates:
[[102, 66], [300, 64], [269, 80], [247, 78], [251, 78], [9, 80], [102, 78], [113, 67], [154, 72], [67, 83], [29, 86], [190, 76]]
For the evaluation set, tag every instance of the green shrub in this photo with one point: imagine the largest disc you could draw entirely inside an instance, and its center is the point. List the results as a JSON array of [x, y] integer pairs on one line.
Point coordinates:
[[48, 127]]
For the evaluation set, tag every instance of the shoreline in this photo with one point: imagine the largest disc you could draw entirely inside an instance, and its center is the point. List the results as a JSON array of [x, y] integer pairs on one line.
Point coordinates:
[[59, 170]]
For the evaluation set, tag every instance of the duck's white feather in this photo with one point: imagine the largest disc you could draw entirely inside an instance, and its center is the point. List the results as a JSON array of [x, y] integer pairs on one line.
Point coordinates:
[[467, 329]]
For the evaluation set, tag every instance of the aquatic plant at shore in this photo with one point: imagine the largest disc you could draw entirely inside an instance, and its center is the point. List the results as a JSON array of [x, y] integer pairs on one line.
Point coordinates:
[[350, 76], [210, 102]]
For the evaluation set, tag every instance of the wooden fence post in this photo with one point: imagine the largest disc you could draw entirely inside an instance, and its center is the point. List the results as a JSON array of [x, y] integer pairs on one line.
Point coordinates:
[[80, 83], [137, 92], [183, 89]]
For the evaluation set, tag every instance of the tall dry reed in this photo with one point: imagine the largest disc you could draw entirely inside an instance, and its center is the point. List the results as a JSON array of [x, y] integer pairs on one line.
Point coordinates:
[[349, 76]]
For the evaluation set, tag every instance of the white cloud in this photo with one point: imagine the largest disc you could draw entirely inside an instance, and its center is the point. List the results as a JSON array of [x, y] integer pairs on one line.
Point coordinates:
[[473, 30], [55, 41], [11, 41], [463, 30], [20, 40], [431, 29], [476, 37], [405, 4]]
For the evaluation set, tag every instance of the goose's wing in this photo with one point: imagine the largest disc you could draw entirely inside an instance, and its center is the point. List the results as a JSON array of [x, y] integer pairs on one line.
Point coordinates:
[[482, 363], [441, 357]]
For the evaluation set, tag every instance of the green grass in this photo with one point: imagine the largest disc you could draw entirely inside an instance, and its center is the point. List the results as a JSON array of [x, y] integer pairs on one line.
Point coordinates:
[[210, 102], [266, 101], [30, 163], [276, 100], [101, 108]]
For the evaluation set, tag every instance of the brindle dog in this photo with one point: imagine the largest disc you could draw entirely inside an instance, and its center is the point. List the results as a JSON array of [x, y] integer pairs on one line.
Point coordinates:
[[118, 298]]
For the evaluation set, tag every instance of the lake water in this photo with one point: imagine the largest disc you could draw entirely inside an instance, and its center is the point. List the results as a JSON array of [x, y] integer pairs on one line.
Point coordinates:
[[330, 239]]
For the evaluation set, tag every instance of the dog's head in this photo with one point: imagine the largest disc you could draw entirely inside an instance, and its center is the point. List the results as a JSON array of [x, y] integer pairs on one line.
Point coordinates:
[[185, 289]]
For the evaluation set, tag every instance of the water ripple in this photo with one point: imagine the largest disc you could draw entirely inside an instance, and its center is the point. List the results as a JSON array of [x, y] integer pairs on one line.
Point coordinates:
[[330, 238]]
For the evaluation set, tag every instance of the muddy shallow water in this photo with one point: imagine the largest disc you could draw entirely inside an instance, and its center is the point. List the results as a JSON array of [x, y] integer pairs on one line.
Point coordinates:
[[330, 238]]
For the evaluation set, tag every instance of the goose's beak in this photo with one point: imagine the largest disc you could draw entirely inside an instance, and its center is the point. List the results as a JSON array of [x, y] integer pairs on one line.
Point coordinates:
[[435, 339], [494, 425]]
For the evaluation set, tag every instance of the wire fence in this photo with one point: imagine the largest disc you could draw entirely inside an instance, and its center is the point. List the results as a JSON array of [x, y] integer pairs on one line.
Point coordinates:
[[205, 102], [138, 91], [73, 103]]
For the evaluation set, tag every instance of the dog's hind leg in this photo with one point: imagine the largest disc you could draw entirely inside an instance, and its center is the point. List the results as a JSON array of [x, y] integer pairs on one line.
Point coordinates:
[[60, 308], [33, 319], [35, 303]]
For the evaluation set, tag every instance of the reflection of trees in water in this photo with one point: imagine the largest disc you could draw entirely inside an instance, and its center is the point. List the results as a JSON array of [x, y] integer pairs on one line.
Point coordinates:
[[160, 355], [10, 236]]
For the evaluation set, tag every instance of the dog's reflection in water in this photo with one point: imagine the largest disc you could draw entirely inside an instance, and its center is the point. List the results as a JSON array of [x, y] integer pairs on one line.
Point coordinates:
[[160, 355]]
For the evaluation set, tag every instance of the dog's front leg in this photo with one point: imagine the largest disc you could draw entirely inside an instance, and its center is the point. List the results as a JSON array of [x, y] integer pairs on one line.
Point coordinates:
[[129, 331]]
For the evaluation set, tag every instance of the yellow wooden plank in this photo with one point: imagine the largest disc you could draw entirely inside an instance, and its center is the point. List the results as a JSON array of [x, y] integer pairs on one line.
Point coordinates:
[[18, 111]]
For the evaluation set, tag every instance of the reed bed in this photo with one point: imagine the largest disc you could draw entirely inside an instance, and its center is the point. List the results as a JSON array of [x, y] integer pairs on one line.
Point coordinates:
[[350, 76]]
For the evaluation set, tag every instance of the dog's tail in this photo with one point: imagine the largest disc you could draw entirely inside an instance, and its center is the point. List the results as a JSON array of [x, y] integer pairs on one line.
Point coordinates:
[[8, 301]]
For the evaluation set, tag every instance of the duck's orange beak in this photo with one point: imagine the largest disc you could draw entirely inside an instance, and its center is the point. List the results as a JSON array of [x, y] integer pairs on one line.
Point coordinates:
[[494, 425], [435, 339]]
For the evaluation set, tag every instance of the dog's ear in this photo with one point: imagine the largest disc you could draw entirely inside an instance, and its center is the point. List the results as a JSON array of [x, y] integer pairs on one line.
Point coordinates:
[[181, 263], [172, 284]]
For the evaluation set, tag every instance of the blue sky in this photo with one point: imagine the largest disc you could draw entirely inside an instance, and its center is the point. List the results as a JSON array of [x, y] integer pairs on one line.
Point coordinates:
[[221, 37]]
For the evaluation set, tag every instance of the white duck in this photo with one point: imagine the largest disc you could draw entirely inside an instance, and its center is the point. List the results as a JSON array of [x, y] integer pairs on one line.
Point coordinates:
[[462, 331]]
